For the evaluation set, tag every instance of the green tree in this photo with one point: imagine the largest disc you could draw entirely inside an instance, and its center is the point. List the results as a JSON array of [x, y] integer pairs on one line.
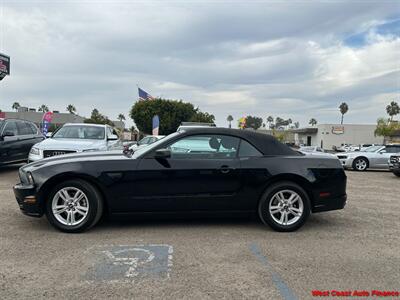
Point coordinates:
[[312, 122], [43, 108], [202, 117], [230, 119], [253, 122], [386, 128], [171, 113], [71, 109], [16, 105], [97, 118], [296, 125], [121, 117], [344, 108], [270, 121], [279, 122], [392, 109]]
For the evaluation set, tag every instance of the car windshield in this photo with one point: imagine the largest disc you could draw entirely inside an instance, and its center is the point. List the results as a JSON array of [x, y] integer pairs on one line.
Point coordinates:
[[80, 132], [372, 149], [142, 151]]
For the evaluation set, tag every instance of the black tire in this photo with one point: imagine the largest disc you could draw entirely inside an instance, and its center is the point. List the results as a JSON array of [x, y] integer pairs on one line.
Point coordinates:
[[268, 196], [95, 206], [397, 173], [360, 164]]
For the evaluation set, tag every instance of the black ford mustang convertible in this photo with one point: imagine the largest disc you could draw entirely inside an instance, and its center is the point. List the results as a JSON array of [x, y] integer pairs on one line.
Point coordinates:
[[194, 171]]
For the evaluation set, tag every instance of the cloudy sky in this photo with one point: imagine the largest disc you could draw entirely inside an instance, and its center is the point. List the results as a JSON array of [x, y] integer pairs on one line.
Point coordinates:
[[296, 59]]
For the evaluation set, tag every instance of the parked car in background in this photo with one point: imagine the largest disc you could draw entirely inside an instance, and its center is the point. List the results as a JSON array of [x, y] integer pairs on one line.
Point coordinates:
[[374, 157], [208, 170], [74, 137], [147, 140], [394, 164], [16, 140], [314, 150], [311, 149], [191, 125]]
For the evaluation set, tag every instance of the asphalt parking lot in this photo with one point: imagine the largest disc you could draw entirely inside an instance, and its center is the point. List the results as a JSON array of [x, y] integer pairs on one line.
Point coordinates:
[[353, 249]]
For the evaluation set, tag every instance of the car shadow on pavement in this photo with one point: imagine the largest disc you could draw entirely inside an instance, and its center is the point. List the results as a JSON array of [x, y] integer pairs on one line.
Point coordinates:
[[9, 168], [178, 221]]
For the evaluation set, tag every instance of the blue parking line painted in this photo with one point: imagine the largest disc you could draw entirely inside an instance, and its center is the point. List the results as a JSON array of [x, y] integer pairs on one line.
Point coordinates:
[[283, 288]]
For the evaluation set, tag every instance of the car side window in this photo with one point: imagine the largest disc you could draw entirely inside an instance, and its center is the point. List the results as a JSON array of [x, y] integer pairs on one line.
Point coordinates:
[[11, 126], [205, 147], [109, 131], [33, 127], [392, 149], [24, 128], [247, 150]]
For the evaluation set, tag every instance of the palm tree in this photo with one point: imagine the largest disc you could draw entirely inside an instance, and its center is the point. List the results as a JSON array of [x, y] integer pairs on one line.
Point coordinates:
[[71, 109], [270, 120], [313, 122], [15, 106], [392, 109], [43, 108], [230, 119], [343, 109], [121, 117]]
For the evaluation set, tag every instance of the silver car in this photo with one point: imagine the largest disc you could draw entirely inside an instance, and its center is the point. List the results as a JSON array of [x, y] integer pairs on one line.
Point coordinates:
[[374, 157], [72, 138]]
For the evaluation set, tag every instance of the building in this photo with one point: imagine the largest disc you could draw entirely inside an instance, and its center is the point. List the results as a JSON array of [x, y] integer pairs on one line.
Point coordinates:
[[329, 135], [59, 119], [32, 115]]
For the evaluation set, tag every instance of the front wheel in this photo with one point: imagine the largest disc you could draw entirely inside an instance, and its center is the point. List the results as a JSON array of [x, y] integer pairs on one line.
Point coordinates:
[[360, 164], [285, 206], [397, 173], [74, 206]]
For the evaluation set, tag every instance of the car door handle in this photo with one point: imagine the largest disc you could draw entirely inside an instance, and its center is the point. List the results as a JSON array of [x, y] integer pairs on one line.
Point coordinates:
[[225, 169]]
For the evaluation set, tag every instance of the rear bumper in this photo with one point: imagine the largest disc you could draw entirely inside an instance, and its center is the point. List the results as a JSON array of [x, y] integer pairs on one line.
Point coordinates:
[[27, 201], [331, 204]]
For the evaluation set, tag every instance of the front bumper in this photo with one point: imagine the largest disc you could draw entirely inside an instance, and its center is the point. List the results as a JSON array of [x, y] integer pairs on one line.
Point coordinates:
[[347, 163], [395, 167], [27, 200]]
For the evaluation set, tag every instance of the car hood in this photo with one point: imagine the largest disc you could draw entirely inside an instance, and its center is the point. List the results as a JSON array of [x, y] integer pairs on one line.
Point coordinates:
[[77, 158], [70, 144]]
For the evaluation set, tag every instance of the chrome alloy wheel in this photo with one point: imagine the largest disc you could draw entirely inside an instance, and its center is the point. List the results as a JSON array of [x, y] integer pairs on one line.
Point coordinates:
[[286, 207], [70, 206], [361, 164]]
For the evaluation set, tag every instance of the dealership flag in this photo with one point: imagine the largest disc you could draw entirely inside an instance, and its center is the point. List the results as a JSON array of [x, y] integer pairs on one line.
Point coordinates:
[[156, 124], [47, 117], [144, 95]]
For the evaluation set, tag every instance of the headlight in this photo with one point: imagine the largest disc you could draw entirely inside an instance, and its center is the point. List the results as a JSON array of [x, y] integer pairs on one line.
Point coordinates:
[[30, 178], [35, 151]]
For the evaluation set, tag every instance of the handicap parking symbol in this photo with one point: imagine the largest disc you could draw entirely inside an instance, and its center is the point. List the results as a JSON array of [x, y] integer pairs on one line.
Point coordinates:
[[131, 262]]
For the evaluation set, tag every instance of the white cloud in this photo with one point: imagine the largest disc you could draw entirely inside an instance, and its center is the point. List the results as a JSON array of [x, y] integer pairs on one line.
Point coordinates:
[[286, 58]]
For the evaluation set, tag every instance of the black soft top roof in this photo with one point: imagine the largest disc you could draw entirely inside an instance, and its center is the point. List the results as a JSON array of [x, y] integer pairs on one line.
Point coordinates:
[[266, 144]]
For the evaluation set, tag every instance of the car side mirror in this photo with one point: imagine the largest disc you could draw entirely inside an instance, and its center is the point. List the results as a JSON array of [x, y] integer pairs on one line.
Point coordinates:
[[382, 151], [162, 154], [112, 137]]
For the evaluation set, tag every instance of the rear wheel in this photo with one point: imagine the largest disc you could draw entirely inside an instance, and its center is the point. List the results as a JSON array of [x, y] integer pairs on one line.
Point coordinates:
[[360, 164], [74, 206], [397, 173], [284, 206]]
